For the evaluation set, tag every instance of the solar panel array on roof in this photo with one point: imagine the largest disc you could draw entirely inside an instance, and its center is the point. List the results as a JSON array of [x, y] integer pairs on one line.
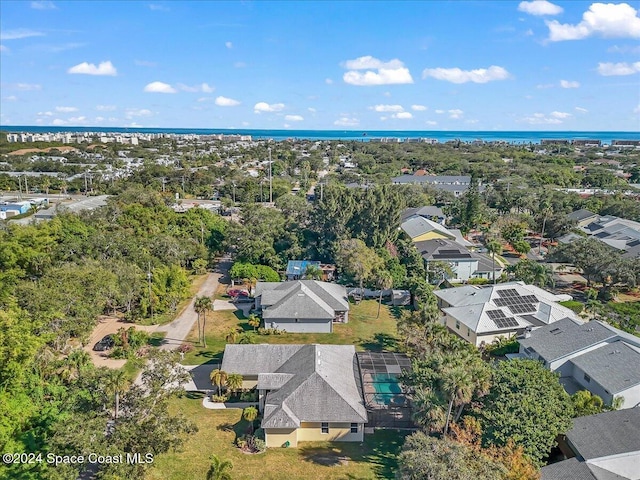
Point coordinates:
[[522, 308], [450, 255], [496, 314], [506, 322], [508, 292]]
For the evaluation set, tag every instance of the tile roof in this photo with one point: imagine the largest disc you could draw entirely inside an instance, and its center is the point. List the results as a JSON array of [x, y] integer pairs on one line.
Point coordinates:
[[317, 383], [615, 366]]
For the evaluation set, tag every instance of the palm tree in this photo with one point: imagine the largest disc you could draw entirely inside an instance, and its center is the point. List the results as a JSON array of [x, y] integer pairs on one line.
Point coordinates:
[[546, 208], [494, 248], [313, 272], [385, 281], [254, 321], [246, 338], [117, 383], [457, 384], [232, 335], [250, 414], [234, 382], [202, 305], [219, 469], [219, 379]]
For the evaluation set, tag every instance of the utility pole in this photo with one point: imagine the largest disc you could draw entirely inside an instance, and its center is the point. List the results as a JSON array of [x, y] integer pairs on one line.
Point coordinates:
[[19, 187], [26, 186], [149, 281], [86, 187], [270, 179]]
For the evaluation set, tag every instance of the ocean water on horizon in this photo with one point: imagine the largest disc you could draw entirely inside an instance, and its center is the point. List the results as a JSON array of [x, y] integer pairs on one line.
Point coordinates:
[[362, 135]]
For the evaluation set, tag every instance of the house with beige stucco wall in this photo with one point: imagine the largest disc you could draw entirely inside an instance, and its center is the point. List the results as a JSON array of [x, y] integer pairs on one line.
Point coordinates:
[[306, 392]]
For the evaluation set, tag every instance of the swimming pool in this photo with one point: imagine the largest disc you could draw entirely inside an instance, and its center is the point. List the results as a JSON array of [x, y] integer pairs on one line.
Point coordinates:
[[387, 387]]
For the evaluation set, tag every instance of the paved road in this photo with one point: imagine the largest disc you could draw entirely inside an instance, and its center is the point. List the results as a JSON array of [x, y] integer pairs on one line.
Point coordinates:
[[178, 330]]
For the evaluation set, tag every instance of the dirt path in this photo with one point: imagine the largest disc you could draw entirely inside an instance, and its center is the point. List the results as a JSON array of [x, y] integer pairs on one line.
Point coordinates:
[[106, 326], [178, 330]]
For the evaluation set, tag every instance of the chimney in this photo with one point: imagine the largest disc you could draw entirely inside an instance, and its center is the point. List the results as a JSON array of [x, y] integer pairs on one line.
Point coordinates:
[[527, 332]]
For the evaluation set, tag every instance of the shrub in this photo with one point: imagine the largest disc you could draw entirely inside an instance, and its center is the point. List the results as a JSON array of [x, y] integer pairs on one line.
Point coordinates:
[[271, 331], [259, 433], [259, 445], [219, 398], [573, 305], [478, 281], [185, 348], [502, 346], [250, 396]]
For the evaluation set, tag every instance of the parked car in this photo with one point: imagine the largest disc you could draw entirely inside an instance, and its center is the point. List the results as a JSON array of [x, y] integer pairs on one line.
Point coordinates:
[[106, 343], [237, 293]]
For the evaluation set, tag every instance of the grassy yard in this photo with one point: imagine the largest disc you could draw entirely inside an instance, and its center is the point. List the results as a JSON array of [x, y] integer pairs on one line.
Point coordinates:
[[364, 330], [375, 458]]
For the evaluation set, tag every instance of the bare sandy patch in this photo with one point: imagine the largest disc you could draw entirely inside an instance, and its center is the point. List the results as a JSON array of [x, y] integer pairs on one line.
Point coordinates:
[[24, 151], [108, 326]]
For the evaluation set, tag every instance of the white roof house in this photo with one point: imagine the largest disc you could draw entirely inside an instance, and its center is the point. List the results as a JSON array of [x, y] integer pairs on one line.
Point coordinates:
[[480, 314]]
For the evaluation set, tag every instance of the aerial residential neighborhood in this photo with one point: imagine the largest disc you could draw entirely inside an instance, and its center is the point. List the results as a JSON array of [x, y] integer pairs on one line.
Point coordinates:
[[319, 240]]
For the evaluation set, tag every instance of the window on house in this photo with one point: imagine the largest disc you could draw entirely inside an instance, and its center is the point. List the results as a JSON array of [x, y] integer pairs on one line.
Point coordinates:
[[325, 427], [457, 324], [587, 378], [468, 331], [354, 428]]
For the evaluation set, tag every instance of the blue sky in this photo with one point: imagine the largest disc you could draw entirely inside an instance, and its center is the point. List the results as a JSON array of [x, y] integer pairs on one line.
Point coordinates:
[[422, 65]]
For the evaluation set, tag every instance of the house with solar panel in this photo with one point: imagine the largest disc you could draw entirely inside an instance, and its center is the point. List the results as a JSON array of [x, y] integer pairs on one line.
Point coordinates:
[[590, 356], [302, 306], [482, 314], [306, 392]]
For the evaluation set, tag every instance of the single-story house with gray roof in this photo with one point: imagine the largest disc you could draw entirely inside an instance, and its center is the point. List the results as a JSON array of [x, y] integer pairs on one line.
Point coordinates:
[[302, 306], [306, 392]]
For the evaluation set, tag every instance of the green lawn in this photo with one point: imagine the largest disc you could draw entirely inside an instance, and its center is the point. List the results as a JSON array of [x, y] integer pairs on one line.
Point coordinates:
[[364, 330], [375, 458]]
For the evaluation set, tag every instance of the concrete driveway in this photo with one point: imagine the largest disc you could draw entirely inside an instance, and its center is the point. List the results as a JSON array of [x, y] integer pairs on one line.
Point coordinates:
[[178, 330]]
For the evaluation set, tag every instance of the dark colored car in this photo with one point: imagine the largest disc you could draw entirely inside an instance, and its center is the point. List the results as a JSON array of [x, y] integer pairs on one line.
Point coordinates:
[[105, 344]]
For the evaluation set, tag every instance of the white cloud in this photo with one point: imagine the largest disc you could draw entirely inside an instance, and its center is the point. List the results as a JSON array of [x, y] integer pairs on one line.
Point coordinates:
[[239, 65], [26, 87], [542, 119], [471, 122], [45, 114], [637, 109], [542, 86], [431, 123], [43, 5], [58, 121], [229, 45], [105, 108], [402, 115], [158, 8], [245, 124], [618, 69], [328, 81], [99, 119], [11, 98], [456, 75], [560, 115], [19, 33], [137, 112], [377, 72], [226, 102], [418, 108], [439, 111], [312, 110], [159, 87], [66, 109], [76, 120], [3, 48], [85, 68], [624, 49], [603, 19], [540, 7], [347, 122], [569, 84], [145, 63], [261, 107], [456, 114], [203, 87], [581, 110], [293, 118], [387, 108]]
